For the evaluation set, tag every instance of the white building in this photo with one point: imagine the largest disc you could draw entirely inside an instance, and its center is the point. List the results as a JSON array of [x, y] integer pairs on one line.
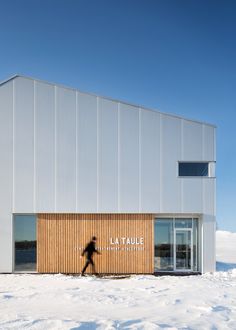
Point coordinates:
[[72, 153]]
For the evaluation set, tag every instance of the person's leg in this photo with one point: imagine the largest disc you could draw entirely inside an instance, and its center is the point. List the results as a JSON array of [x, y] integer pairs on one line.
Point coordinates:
[[85, 266], [93, 266]]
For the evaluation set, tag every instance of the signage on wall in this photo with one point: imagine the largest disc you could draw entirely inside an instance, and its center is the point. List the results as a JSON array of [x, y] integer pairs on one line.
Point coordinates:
[[122, 244], [127, 240]]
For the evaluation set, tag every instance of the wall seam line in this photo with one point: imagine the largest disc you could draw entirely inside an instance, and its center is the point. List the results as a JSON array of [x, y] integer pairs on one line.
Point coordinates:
[[203, 155], [97, 154], [182, 154], [34, 184], [13, 147], [118, 157], [55, 148], [140, 184], [161, 190], [76, 152]]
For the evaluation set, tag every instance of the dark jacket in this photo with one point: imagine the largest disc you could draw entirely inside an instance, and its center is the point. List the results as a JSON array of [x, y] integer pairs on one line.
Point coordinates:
[[89, 250]]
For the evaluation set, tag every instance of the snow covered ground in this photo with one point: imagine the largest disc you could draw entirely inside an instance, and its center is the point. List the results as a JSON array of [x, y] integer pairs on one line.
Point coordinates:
[[139, 302]]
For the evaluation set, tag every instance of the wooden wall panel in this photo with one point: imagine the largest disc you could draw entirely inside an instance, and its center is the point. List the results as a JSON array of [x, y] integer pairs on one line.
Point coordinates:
[[61, 239]]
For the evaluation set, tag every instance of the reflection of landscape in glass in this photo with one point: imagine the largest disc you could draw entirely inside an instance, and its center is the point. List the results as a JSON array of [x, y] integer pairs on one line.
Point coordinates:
[[164, 244], [164, 248], [183, 249], [25, 242]]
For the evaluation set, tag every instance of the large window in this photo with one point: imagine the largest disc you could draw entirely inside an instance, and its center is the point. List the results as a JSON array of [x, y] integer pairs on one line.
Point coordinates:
[[193, 169], [176, 244], [25, 242]]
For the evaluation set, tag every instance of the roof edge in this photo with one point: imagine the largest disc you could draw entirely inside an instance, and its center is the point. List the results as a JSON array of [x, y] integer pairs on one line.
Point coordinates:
[[107, 98], [2, 82]]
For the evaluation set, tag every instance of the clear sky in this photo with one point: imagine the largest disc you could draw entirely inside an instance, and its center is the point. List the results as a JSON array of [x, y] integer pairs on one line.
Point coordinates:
[[178, 56]]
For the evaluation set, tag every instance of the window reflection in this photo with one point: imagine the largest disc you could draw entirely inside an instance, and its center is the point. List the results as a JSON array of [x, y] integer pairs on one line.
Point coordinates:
[[183, 223], [195, 244], [176, 244], [25, 242], [164, 245], [193, 169]]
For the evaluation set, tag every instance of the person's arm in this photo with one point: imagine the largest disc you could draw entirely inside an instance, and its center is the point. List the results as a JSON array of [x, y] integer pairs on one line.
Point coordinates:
[[84, 250]]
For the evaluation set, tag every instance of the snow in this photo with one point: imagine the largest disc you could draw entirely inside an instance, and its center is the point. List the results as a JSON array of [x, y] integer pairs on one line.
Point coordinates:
[[138, 302]]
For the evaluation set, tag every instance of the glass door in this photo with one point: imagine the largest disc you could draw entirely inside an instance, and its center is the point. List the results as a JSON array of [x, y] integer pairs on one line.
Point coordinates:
[[183, 250]]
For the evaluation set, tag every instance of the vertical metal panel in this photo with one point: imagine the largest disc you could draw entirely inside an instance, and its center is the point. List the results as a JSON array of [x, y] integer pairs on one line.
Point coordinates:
[[44, 147], [59, 248], [6, 167], [66, 150], [171, 153], [209, 246], [129, 159], [192, 141], [192, 195], [87, 153], [209, 191], [108, 156], [24, 145], [209, 143], [150, 161], [209, 224]]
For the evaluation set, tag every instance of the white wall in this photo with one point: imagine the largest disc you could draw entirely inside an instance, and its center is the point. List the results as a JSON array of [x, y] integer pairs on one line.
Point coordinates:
[[67, 151], [107, 155], [44, 148], [6, 169]]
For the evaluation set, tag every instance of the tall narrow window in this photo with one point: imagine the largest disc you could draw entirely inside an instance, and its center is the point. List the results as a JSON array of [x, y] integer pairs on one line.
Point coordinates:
[[25, 242], [164, 249], [193, 169]]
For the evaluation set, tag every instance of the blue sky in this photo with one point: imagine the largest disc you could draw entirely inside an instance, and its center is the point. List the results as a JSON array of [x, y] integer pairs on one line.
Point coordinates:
[[178, 56]]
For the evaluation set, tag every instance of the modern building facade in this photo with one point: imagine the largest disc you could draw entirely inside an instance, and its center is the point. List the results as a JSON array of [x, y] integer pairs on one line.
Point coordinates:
[[74, 165]]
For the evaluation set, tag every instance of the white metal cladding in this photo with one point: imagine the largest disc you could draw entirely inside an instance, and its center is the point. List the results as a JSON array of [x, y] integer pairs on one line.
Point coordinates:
[[66, 151]]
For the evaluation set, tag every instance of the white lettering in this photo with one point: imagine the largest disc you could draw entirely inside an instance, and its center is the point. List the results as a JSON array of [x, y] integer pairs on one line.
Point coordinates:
[[126, 240], [111, 241], [123, 240]]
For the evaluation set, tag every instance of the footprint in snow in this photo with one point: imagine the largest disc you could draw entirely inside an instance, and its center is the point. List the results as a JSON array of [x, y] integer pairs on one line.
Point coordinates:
[[220, 308], [7, 296]]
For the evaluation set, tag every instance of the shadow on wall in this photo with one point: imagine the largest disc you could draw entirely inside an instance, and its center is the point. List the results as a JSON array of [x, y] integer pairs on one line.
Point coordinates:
[[224, 267]]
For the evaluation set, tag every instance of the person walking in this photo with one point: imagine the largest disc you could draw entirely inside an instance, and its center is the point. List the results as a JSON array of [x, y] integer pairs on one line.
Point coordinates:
[[89, 251]]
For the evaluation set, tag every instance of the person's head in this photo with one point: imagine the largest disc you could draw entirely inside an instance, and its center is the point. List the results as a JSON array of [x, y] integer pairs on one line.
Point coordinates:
[[94, 238]]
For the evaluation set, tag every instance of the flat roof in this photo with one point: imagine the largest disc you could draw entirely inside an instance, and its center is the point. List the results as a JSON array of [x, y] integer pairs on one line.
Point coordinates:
[[104, 97]]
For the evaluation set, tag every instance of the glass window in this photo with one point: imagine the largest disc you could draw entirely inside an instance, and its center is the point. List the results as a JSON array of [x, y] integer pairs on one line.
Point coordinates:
[[183, 223], [25, 242], [183, 247], [195, 244], [193, 169], [164, 259], [184, 255]]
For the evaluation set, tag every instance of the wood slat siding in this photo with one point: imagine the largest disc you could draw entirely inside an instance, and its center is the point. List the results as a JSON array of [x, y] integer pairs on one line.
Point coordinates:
[[61, 238]]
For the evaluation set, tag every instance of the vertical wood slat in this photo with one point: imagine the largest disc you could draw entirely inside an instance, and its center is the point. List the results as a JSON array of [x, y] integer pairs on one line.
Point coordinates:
[[61, 238]]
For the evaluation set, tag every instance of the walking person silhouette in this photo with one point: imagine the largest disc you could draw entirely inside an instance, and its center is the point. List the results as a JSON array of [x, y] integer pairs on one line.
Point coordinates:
[[89, 251]]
